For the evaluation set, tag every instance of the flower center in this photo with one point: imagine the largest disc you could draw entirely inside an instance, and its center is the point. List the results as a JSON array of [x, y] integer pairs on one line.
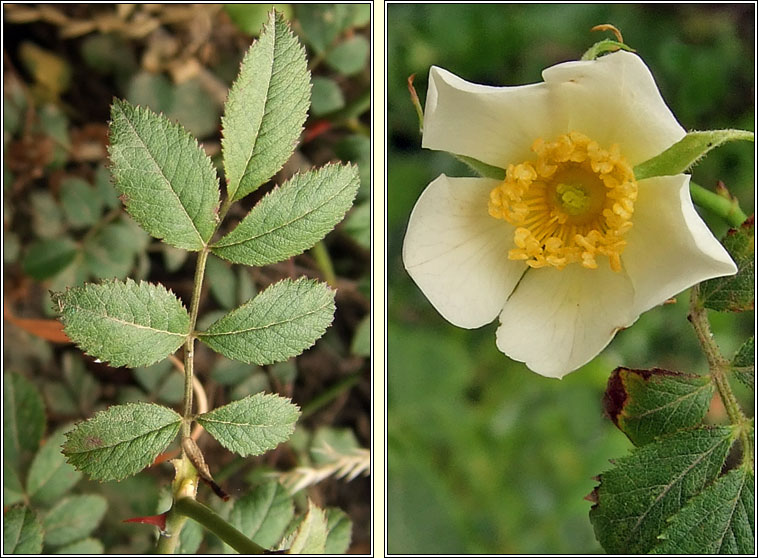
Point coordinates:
[[571, 204]]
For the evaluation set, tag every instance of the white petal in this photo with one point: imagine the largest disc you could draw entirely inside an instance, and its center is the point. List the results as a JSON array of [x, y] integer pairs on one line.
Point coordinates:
[[669, 248], [496, 125], [614, 99], [558, 320], [457, 254]]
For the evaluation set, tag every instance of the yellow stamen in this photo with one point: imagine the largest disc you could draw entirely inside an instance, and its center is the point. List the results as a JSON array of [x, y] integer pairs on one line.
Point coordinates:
[[570, 205]]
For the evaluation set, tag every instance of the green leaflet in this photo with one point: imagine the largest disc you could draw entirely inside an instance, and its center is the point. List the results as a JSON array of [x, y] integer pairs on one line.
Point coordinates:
[[50, 477], [83, 546], [310, 536], [636, 497], [717, 521], [122, 440], [81, 203], [13, 492], [73, 518], [22, 531], [339, 531], [743, 364], [686, 152], [736, 292], [167, 182], [253, 425], [293, 217], [23, 417], [263, 513], [645, 404], [126, 324], [266, 109], [279, 323], [48, 257]]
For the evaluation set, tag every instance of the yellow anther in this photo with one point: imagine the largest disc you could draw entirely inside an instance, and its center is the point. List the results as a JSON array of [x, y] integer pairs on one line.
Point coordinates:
[[575, 201]]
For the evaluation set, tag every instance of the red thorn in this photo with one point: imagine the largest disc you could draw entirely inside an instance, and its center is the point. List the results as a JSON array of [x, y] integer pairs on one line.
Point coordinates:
[[158, 520], [165, 456], [318, 128]]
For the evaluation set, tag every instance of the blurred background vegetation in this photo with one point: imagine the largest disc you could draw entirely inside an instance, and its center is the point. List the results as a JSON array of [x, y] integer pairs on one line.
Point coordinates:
[[63, 224], [483, 455]]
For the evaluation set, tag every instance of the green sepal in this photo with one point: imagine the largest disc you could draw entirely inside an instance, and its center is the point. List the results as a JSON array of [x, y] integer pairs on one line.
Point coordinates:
[[605, 46], [681, 156]]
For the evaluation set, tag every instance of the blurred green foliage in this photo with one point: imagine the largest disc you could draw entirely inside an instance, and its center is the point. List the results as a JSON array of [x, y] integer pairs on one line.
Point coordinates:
[[483, 455]]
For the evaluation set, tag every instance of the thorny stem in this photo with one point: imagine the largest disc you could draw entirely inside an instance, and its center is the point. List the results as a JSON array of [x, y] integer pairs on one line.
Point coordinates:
[[185, 481], [719, 367]]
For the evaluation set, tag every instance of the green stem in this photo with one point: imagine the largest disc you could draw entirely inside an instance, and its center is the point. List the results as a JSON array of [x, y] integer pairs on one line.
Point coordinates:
[[719, 367], [216, 524], [727, 209], [324, 263]]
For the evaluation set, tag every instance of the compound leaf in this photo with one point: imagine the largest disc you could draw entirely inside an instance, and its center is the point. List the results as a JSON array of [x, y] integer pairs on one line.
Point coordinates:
[[50, 476], [167, 182], [73, 518], [266, 109], [23, 417], [636, 498], [22, 531], [122, 440], [279, 323], [645, 404], [293, 217], [253, 425], [717, 521], [263, 513], [124, 323]]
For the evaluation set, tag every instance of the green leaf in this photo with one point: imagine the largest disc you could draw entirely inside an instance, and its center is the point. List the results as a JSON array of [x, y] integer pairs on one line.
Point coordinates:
[[361, 345], [105, 188], [356, 148], [23, 417], [279, 323], [222, 281], [190, 538], [73, 518], [263, 513], [358, 225], [310, 536], [12, 490], [122, 440], [743, 364], [735, 293], [251, 17], [167, 182], [126, 324], [645, 404], [253, 425], [22, 531], [83, 389], [339, 531], [266, 109], [81, 203], [195, 108], [720, 520], [83, 546], [292, 218], [110, 252], [687, 151], [636, 497], [47, 217], [323, 23], [350, 56], [50, 477], [46, 258], [327, 96], [162, 381]]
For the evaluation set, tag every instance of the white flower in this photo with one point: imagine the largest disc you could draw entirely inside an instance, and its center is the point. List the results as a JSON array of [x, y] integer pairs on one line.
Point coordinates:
[[569, 248]]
